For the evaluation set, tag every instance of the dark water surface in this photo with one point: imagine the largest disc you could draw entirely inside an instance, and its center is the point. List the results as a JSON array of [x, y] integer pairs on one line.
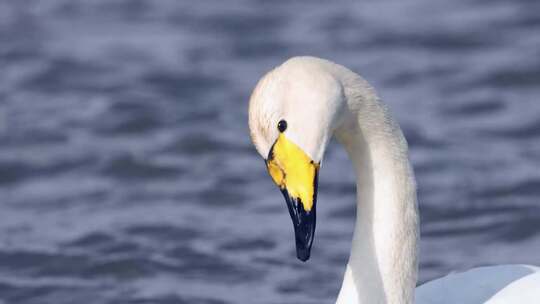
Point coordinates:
[[127, 175]]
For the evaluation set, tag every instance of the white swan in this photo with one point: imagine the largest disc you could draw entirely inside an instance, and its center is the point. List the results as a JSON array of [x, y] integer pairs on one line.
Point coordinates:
[[293, 112]]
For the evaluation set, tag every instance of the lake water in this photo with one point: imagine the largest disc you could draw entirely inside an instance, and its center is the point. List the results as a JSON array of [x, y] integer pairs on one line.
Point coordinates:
[[127, 174]]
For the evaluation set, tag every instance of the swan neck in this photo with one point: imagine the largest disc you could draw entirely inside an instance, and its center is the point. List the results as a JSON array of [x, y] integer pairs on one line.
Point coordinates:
[[382, 267]]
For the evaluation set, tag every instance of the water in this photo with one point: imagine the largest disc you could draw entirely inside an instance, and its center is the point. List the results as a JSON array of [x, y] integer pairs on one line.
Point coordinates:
[[127, 175]]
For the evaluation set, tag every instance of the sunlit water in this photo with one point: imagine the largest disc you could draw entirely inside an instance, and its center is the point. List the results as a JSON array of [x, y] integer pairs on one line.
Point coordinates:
[[127, 175]]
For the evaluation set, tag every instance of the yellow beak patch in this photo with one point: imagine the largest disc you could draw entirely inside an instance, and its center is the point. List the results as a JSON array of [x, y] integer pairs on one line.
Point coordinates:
[[293, 170]]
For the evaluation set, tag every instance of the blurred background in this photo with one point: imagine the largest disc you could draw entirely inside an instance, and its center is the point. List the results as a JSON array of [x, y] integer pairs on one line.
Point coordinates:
[[127, 174]]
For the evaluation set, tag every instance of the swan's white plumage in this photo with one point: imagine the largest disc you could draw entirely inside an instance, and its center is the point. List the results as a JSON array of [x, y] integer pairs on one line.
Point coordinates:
[[493, 284], [320, 99], [523, 290]]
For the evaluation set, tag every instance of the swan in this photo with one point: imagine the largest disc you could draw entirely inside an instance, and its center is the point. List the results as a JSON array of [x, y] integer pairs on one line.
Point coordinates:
[[294, 110]]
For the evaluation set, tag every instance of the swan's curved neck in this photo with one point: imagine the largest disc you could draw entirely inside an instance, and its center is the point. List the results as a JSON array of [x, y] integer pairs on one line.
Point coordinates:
[[382, 267]]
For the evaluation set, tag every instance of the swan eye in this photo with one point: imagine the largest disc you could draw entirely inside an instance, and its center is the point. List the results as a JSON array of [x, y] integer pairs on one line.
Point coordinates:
[[282, 126]]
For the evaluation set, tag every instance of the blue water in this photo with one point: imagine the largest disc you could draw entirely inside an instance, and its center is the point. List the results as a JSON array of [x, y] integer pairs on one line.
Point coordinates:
[[127, 174]]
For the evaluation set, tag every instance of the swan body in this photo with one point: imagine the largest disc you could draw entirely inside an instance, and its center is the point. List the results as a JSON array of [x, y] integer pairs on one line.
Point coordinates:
[[493, 285], [294, 111]]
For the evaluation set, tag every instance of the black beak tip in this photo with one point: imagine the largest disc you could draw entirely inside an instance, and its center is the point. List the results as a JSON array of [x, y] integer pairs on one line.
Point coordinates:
[[302, 254], [304, 225]]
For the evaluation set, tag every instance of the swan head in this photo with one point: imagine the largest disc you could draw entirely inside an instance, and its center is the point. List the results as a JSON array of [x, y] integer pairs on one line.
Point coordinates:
[[293, 112]]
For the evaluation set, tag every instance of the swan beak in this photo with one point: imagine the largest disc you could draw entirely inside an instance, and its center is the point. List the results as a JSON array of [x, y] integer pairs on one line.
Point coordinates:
[[304, 225], [296, 175]]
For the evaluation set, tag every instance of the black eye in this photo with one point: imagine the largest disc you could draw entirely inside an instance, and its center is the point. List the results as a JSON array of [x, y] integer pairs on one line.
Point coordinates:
[[282, 126]]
